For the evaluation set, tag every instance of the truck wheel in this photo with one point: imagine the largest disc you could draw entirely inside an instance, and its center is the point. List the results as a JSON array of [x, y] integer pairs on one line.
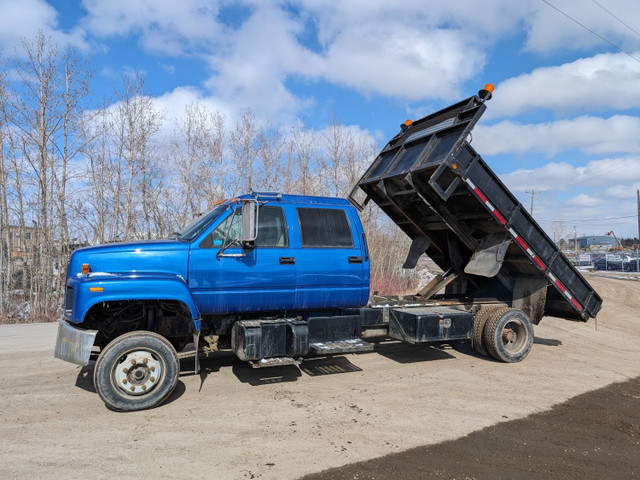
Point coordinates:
[[508, 335], [479, 321], [136, 371]]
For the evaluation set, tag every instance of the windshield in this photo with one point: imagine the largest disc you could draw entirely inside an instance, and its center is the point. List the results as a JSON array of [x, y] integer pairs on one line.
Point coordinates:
[[192, 230]]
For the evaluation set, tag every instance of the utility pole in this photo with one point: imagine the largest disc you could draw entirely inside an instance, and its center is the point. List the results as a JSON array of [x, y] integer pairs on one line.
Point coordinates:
[[575, 242], [532, 192], [638, 244]]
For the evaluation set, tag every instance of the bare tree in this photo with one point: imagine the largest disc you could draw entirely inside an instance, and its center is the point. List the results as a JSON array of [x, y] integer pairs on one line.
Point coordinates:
[[39, 118], [243, 150], [197, 150], [270, 146], [135, 123], [302, 148], [559, 230], [334, 140], [5, 220]]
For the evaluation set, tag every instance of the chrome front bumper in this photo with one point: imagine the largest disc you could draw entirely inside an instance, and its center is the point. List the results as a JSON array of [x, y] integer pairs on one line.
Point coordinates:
[[74, 344]]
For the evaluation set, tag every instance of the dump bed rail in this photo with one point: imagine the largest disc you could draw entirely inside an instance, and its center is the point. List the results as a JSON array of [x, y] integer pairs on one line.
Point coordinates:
[[442, 194]]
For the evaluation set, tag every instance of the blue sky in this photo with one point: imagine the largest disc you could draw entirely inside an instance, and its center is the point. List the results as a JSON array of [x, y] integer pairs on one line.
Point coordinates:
[[564, 120]]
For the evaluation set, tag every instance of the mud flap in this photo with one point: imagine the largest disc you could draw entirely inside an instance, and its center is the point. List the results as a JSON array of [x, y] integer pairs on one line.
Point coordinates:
[[488, 257], [196, 341], [530, 296]]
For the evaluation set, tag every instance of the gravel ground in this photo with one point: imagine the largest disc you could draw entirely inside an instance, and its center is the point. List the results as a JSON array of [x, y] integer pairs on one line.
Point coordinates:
[[234, 422]]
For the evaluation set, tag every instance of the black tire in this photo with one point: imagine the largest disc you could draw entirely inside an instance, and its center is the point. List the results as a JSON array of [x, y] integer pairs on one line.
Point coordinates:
[[508, 335], [136, 371], [479, 322]]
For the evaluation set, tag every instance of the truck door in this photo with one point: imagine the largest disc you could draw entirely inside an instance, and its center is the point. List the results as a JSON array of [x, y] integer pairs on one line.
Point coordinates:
[[332, 270], [263, 279]]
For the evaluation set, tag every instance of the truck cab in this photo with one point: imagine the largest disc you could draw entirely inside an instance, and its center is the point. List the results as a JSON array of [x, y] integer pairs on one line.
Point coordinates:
[[258, 256], [309, 253]]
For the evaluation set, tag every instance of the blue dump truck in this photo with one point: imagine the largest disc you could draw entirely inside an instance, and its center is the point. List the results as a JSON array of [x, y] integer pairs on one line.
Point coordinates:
[[276, 278]]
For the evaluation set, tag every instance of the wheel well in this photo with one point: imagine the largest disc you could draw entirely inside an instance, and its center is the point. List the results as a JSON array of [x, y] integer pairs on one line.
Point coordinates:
[[169, 318]]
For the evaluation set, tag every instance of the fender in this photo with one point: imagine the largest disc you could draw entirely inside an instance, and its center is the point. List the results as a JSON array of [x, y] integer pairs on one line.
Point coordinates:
[[85, 291]]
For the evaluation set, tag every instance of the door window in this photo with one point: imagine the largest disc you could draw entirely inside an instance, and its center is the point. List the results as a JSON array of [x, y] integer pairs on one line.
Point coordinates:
[[324, 227], [272, 230]]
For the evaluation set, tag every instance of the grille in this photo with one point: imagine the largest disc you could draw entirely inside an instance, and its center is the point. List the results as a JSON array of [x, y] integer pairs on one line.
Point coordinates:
[[68, 300]]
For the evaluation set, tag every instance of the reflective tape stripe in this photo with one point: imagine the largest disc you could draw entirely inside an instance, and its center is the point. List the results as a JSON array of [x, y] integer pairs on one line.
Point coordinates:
[[524, 246], [521, 242], [539, 262], [480, 194], [500, 218]]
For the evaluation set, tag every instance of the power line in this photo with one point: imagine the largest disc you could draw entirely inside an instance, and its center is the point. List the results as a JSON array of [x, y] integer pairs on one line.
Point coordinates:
[[617, 18], [593, 32], [595, 219]]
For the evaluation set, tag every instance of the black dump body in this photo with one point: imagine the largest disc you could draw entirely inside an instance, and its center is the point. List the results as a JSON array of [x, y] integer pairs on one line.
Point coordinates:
[[440, 192]]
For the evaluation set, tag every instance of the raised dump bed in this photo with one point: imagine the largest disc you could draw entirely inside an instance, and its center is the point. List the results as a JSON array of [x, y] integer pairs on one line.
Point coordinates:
[[442, 194]]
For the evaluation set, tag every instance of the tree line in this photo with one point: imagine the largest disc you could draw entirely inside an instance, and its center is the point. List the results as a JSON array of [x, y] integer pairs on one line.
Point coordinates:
[[74, 173]]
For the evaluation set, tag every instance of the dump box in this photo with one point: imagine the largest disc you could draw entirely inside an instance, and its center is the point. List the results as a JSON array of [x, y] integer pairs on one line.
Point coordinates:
[[431, 182]]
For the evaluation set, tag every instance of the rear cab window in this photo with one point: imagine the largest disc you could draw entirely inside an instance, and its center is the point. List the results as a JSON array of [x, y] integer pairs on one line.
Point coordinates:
[[324, 228]]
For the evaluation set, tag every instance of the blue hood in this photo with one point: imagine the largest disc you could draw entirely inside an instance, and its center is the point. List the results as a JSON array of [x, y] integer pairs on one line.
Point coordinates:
[[165, 256]]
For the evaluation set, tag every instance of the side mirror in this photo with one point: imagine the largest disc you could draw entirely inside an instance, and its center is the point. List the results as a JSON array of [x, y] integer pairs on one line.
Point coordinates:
[[249, 221]]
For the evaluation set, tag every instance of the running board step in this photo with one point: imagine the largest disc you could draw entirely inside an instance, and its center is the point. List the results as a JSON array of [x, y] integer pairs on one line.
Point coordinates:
[[344, 346], [275, 362]]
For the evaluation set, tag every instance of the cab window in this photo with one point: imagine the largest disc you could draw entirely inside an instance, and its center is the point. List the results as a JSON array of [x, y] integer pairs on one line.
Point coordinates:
[[272, 230], [324, 227]]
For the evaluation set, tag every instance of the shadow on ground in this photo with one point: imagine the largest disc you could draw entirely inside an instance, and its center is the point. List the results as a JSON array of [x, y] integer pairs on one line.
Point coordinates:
[[591, 436], [407, 353]]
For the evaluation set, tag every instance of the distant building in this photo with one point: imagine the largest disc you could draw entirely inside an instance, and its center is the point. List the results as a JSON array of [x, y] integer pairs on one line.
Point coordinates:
[[22, 241], [596, 242]]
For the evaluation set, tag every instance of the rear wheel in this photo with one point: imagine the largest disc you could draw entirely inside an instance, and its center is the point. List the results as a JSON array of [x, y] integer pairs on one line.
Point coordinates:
[[136, 371], [479, 322], [508, 335]]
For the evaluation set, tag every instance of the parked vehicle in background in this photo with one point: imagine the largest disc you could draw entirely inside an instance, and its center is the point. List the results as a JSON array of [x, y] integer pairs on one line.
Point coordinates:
[[631, 265], [604, 264]]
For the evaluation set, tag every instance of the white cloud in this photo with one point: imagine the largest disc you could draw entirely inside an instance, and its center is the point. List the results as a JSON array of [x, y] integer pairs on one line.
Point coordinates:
[[583, 200], [175, 28], [25, 18], [596, 198], [562, 176], [264, 52], [605, 81], [592, 135], [373, 47]]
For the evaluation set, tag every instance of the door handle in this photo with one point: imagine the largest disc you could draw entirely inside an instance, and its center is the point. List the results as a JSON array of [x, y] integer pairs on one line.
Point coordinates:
[[287, 260], [355, 259]]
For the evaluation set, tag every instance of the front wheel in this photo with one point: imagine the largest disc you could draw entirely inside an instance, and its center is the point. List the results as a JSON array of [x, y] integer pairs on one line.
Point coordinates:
[[508, 335], [136, 371]]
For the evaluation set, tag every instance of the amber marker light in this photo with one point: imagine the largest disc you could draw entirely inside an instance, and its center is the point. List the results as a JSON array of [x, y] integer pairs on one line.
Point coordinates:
[[486, 92], [96, 289], [85, 269], [454, 166], [408, 122]]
